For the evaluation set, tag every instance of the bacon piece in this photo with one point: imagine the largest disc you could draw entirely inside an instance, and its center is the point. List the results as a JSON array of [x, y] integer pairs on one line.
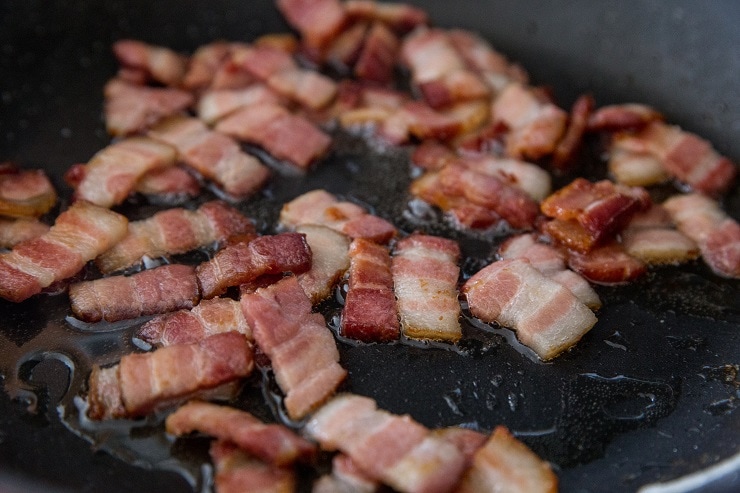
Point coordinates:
[[25, 193], [216, 104], [215, 156], [301, 348], [284, 135], [546, 316], [204, 63], [467, 441], [432, 155], [392, 449], [618, 117], [527, 177], [245, 262], [658, 246], [175, 231], [377, 59], [634, 169], [566, 150], [161, 64], [506, 464], [78, 235], [169, 184], [608, 264], [420, 120], [425, 275], [400, 17], [369, 312], [160, 290], [237, 472], [207, 318], [272, 443], [142, 382], [329, 261], [346, 477], [321, 207], [318, 21], [362, 105], [131, 108], [14, 231], [344, 51]]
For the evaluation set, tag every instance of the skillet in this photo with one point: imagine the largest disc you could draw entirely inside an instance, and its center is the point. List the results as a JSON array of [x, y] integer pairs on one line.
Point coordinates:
[[649, 395]]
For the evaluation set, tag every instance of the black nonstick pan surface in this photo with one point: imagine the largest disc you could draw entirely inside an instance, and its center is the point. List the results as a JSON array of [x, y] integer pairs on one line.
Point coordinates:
[[649, 395]]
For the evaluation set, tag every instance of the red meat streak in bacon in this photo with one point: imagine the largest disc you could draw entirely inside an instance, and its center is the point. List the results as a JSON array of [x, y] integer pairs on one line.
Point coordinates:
[[25, 193], [169, 184], [159, 63], [238, 472]]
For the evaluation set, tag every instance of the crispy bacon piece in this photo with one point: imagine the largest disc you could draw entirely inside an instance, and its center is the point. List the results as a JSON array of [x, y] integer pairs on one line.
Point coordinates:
[[608, 264], [425, 275], [78, 235], [395, 450], [377, 59], [419, 120], [160, 290], [245, 262], [546, 316], [175, 231], [618, 117], [207, 318], [204, 64], [345, 477], [272, 443], [400, 17], [321, 207], [360, 105], [25, 193], [143, 382], [467, 441], [159, 63], [215, 156], [216, 104], [318, 21], [329, 261], [527, 177], [286, 136], [506, 464], [170, 184], [566, 150], [14, 231], [344, 50], [301, 348], [237, 472], [369, 312]]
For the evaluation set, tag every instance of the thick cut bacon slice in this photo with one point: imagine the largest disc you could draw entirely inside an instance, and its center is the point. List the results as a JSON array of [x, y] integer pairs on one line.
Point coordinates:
[[216, 104], [215, 156], [207, 318], [159, 63], [245, 262], [271, 443], [392, 449], [301, 348], [176, 231], [170, 185], [14, 231], [425, 275], [143, 382], [78, 235], [377, 59], [329, 261], [160, 290], [25, 193], [369, 312], [608, 264], [400, 17], [238, 472], [546, 315]]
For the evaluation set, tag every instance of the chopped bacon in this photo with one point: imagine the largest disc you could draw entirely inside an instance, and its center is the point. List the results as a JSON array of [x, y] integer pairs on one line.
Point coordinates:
[[608, 264], [160, 290], [142, 382], [425, 275], [400, 17], [284, 135], [25, 193], [369, 312], [360, 105], [377, 59], [346, 477], [329, 261], [506, 464], [635, 169], [395, 450], [78, 235], [301, 348], [527, 177], [262, 62], [215, 156], [546, 316], [238, 472], [467, 441], [161, 64], [565, 151], [204, 63], [14, 231], [618, 117], [318, 21], [657, 246], [344, 50], [216, 104], [175, 231], [207, 318], [245, 262], [169, 183], [432, 155], [272, 443]]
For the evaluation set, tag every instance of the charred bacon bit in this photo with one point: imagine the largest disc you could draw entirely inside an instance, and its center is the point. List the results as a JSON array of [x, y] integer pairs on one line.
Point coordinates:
[[400, 17], [245, 262], [619, 117], [272, 443], [377, 59], [79, 234], [395, 450], [329, 261], [318, 21], [175, 231], [216, 104], [506, 464], [608, 264], [14, 231], [369, 312], [25, 193], [143, 382], [159, 63], [546, 316], [160, 290], [568, 147], [238, 472], [425, 275], [300, 346]]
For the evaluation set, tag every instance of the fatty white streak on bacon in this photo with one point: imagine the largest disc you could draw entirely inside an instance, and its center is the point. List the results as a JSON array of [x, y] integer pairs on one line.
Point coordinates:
[[161, 64], [25, 193], [143, 382], [14, 231], [425, 275], [506, 464], [238, 472], [400, 17], [216, 104], [377, 58], [329, 261], [318, 21], [345, 477], [391, 449], [273, 443], [546, 316], [300, 346], [78, 235], [170, 184], [215, 156]]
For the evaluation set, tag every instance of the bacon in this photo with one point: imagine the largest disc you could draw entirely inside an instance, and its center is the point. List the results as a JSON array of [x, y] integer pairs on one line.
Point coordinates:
[[131, 108], [216, 104], [301, 348], [467, 441], [432, 156], [344, 50], [237, 472], [321, 207], [566, 150], [204, 63], [170, 184], [506, 464], [329, 261], [318, 21], [608, 264], [400, 17], [262, 62], [658, 246], [25, 193], [14, 231], [362, 105], [272, 443], [78, 235], [392, 449], [527, 177], [369, 312], [161, 64], [546, 316], [618, 117], [635, 169], [174, 231], [284, 135], [143, 382], [345, 477], [377, 59], [425, 275], [215, 156], [209, 317], [160, 290]]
